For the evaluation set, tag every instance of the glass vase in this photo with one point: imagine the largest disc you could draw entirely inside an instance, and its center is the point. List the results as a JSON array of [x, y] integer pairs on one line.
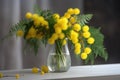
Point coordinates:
[[59, 59]]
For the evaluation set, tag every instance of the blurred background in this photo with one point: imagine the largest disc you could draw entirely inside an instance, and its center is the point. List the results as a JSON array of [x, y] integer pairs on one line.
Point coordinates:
[[106, 15]]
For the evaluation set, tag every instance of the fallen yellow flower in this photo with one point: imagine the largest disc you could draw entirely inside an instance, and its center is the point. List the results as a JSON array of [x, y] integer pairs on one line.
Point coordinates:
[[44, 69]]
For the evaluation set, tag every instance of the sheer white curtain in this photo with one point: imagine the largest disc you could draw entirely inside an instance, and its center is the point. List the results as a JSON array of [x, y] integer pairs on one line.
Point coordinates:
[[11, 55]]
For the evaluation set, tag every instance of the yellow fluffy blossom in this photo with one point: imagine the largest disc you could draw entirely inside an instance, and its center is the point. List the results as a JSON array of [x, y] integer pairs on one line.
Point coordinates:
[[32, 30], [28, 15], [58, 30], [35, 16], [90, 40], [55, 36], [77, 51], [64, 27], [51, 41], [41, 18], [83, 56], [76, 11], [77, 27], [61, 35], [44, 23], [73, 34], [87, 50], [77, 45], [44, 69], [86, 34], [72, 20], [67, 15], [74, 40], [31, 33], [70, 11], [64, 42], [35, 70], [1, 75], [56, 16], [42, 72], [36, 22], [63, 20], [20, 33], [85, 28], [17, 76]]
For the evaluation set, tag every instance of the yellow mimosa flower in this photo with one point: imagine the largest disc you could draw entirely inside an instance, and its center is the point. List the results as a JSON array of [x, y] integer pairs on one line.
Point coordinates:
[[58, 30], [72, 20], [61, 35], [35, 16], [44, 23], [70, 11], [85, 28], [32, 32], [51, 41], [42, 72], [76, 11], [55, 36], [17, 76], [63, 20], [87, 50], [90, 40], [1, 75], [74, 40], [41, 18], [73, 34], [20, 33], [56, 16], [67, 15], [77, 51], [35, 70], [44, 69], [86, 34], [36, 23], [28, 15], [77, 27], [64, 42], [77, 45], [64, 26], [83, 56]]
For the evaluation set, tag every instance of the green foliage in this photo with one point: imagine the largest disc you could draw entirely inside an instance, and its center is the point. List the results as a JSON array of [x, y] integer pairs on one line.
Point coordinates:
[[14, 28], [98, 47], [20, 25], [84, 18], [47, 14]]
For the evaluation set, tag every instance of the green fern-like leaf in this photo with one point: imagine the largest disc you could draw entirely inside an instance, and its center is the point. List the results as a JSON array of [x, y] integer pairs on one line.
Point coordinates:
[[37, 9], [13, 29], [45, 13], [98, 48], [84, 18], [21, 25]]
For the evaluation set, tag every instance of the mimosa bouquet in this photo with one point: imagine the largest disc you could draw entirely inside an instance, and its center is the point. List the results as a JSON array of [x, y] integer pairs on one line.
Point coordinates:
[[47, 27]]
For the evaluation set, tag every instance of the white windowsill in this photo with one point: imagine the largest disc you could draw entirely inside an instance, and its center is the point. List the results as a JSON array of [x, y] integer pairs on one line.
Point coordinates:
[[93, 72]]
